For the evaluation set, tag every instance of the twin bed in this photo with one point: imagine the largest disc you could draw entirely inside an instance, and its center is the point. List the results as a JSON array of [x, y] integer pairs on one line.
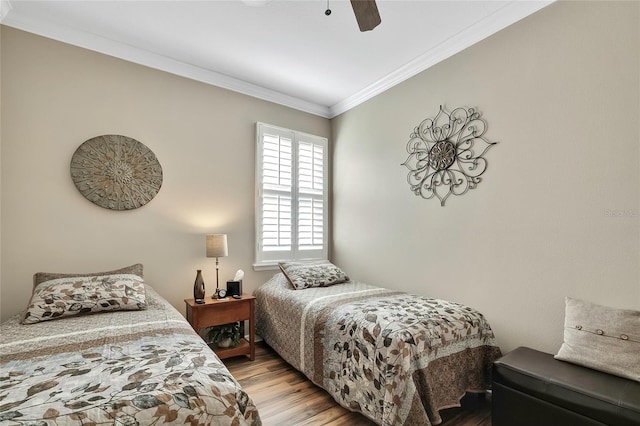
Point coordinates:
[[396, 358], [129, 366]]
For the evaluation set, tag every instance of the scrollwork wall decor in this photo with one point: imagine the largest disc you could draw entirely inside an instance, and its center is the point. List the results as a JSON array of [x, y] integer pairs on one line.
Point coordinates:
[[446, 154], [116, 172]]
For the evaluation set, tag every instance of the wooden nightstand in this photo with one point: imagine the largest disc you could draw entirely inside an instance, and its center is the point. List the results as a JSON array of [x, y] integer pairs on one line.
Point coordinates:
[[223, 311]]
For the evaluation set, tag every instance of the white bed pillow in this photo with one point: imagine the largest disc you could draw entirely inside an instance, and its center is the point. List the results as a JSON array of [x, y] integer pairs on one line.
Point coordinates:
[[603, 338]]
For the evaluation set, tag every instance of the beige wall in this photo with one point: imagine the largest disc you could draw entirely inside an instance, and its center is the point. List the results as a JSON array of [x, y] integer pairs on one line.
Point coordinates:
[[56, 96], [1, 173], [557, 213]]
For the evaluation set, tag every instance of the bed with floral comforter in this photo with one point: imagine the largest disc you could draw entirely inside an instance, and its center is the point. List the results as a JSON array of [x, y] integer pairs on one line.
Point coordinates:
[[131, 367], [396, 358]]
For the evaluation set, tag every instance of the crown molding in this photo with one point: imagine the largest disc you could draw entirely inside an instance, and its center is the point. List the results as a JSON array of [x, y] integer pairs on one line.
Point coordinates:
[[156, 61], [512, 12], [502, 18]]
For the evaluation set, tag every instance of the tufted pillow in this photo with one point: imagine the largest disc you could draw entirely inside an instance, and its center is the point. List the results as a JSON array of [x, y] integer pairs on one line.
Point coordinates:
[[602, 338], [39, 277], [69, 296], [320, 273]]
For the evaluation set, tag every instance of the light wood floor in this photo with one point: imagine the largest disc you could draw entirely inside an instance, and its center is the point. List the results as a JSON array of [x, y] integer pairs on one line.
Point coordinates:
[[285, 397]]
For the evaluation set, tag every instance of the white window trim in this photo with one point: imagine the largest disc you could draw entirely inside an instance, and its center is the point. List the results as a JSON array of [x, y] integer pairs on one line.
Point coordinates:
[[262, 263]]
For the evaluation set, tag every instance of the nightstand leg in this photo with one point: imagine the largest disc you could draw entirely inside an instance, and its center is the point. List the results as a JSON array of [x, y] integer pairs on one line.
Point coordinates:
[[252, 332]]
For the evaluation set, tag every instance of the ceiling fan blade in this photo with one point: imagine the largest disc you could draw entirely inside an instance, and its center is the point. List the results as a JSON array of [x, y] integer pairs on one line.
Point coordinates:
[[366, 13]]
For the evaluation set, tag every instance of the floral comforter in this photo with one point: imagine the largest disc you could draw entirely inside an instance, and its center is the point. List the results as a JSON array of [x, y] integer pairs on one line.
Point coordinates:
[[396, 358], [127, 368]]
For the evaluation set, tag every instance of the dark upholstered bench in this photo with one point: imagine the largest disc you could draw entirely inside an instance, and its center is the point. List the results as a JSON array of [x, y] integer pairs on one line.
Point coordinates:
[[531, 388]]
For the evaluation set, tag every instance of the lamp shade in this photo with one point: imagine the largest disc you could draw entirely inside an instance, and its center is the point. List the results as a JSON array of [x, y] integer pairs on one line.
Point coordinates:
[[217, 245]]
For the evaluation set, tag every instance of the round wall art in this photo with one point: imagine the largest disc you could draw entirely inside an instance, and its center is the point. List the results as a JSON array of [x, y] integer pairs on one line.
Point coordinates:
[[446, 154], [116, 172]]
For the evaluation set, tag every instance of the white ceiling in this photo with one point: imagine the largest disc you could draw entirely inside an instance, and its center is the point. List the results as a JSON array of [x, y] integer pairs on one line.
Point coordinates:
[[286, 52]]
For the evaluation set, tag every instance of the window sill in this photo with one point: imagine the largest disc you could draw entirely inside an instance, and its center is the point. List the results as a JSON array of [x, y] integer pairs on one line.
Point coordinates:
[[266, 266], [273, 266]]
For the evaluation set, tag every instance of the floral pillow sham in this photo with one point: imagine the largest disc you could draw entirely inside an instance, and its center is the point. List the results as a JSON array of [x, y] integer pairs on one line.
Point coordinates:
[[303, 275], [70, 296]]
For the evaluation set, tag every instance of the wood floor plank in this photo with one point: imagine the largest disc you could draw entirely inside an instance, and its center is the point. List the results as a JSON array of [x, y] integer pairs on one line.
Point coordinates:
[[285, 397]]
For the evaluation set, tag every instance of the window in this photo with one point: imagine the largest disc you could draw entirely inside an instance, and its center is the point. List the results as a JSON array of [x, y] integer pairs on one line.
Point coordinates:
[[291, 196]]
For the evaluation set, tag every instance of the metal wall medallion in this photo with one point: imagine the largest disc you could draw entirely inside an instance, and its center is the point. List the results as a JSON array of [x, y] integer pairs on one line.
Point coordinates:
[[446, 154], [116, 172]]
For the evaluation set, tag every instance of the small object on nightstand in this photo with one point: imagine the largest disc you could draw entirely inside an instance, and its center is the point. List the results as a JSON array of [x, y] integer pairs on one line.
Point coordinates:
[[199, 301], [234, 288], [198, 286], [237, 296]]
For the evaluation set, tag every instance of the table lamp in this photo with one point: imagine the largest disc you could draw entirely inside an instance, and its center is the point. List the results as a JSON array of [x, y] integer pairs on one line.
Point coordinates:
[[217, 247]]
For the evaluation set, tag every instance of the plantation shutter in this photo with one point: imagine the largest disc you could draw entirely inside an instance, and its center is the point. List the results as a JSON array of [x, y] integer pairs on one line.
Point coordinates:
[[310, 199], [276, 233], [291, 201]]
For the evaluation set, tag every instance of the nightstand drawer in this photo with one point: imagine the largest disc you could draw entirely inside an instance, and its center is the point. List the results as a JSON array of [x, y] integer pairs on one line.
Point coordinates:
[[224, 314]]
